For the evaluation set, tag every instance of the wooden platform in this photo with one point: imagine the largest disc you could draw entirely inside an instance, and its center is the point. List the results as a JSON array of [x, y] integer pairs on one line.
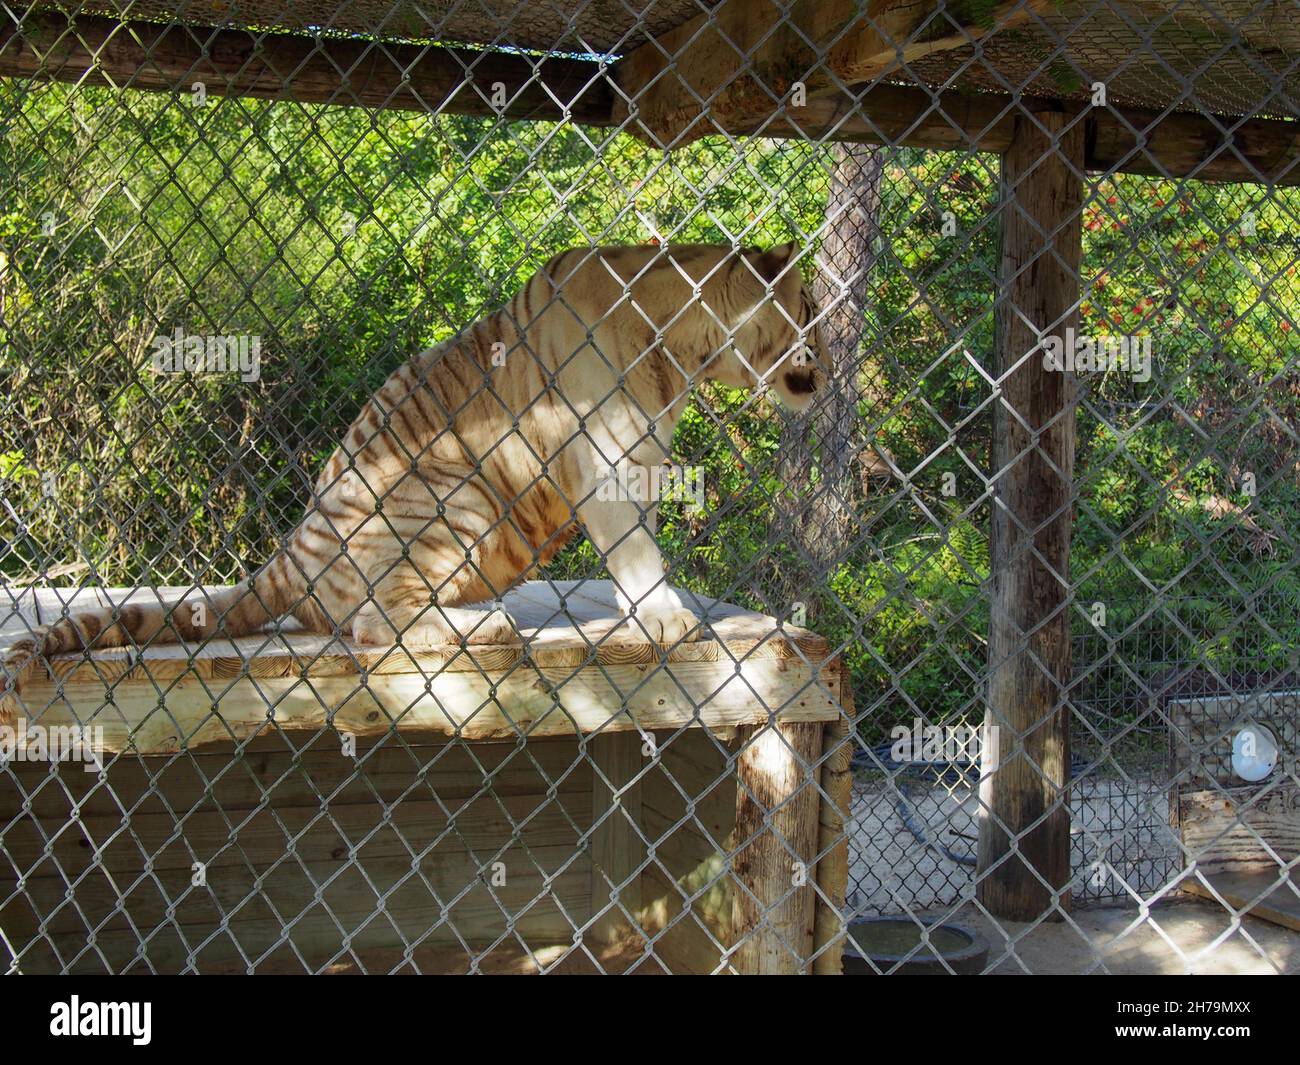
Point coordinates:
[[575, 644], [647, 809]]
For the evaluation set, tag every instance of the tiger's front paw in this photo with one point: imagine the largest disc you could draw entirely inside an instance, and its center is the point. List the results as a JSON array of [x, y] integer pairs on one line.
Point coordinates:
[[462, 627], [435, 627], [666, 624], [491, 626]]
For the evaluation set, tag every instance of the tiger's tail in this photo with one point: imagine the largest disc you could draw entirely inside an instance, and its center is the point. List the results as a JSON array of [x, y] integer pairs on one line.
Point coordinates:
[[228, 613]]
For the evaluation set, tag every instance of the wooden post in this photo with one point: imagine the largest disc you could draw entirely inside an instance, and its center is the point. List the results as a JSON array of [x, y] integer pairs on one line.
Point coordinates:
[[617, 850], [776, 833], [833, 834], [1025, 822]]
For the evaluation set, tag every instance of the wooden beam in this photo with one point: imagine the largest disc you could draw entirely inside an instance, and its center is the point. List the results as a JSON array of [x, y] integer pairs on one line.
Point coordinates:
[[1132, 141], [102, 51], [485, 706], [617, 850], [741, 59], [349, 73], [839, 740], [776, 843], [735, 66], [1204, 147], [1024, 842], [278, 66]]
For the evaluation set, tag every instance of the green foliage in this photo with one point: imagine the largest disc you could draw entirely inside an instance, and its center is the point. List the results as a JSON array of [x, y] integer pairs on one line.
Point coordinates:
[[348, 240]]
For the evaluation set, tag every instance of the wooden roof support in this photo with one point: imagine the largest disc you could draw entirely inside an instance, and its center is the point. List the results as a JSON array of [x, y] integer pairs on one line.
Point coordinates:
[[278, 66], [1024, 841], [734, 67], [103, 51], [741, 61], [1131, 141]]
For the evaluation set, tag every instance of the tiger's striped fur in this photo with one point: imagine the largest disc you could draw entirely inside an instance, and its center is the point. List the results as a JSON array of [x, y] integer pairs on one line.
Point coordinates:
[[464, 471]]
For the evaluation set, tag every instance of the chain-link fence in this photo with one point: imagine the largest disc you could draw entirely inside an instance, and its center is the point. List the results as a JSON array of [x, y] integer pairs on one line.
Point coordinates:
[[666, 487]]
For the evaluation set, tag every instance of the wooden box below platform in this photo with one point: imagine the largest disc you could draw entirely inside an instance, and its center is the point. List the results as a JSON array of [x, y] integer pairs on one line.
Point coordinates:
[[578, 802]]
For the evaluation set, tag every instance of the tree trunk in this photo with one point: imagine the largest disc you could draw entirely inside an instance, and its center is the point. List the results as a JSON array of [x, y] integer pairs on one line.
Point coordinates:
[[822, 445]]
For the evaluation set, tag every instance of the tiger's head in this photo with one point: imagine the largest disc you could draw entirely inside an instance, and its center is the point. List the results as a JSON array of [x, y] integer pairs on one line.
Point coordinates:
[[776, 338]]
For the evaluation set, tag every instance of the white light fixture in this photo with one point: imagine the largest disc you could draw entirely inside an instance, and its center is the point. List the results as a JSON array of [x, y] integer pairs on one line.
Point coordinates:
[[1254, 753]]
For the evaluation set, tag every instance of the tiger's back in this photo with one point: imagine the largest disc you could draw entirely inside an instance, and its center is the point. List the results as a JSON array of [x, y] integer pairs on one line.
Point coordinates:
[[453, 466], [498, 432]]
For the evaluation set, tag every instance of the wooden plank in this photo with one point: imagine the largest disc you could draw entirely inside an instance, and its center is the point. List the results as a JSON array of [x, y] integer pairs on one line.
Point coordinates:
[[1025, 820], [687, 941], [445, 898], [321, 835], [617, 851], [746, 87], [834, 809], [508, 958], [354, 918], [562, 624], [313, 775], [265, 861], [1117, 140], [268, 869], [1227, 829], [93, 50], [471, 707], [1188, 144], [566, 674], [776, 846], [689, 810], [1269, 894], [734, 66]]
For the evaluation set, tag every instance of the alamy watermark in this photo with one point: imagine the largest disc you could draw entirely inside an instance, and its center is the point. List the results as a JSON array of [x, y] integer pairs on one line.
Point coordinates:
[[1082, 353], [78, 1018], [52, 743], [923, 742], [628, 482], [183, 352]]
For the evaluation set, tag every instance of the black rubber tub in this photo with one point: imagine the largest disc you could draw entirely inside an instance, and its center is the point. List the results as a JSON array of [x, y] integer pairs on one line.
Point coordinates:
[[894, 945]]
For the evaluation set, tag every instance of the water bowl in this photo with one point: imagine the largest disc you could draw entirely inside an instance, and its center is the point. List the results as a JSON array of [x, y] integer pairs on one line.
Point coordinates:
[[893, 945]]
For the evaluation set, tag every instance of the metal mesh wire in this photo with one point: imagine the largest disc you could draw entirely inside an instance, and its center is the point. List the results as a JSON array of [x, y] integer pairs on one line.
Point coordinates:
[[224, 830]]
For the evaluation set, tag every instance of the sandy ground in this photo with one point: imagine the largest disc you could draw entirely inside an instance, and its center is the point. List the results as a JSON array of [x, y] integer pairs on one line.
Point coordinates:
[[1122, 839], [1191, 937], [1177, 938]]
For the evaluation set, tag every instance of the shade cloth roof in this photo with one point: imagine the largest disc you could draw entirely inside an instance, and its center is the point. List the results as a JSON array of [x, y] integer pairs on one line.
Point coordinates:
[[1231, 57]]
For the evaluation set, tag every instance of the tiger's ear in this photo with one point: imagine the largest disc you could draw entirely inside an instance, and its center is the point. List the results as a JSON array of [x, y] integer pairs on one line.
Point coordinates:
[[771, 264]]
